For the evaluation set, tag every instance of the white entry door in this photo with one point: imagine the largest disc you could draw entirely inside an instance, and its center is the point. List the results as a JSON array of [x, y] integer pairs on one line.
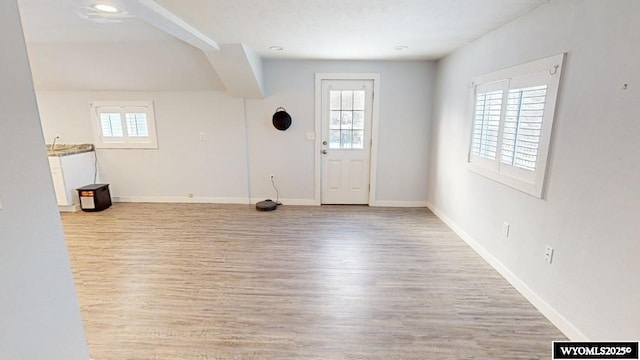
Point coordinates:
[[346, 141]]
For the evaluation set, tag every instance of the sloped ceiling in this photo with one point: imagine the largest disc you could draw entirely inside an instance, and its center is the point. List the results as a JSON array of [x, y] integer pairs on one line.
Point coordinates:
[[74, 47], [145, 66]]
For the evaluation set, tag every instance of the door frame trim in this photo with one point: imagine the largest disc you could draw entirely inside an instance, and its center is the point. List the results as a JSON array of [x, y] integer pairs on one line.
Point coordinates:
[[319, 77]]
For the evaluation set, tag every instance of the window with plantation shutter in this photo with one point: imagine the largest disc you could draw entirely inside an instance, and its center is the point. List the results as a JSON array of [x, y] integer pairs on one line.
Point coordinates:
[[513, 112], [111, 125], [137, 124], [487, 124], [124, 124], [523, 127]]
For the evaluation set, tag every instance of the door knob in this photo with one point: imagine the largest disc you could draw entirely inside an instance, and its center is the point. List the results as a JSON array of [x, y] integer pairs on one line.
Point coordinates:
[[324, 142], [324, 151]]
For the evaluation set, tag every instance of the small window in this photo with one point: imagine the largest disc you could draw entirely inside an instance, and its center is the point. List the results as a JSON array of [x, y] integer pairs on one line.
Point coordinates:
[[124, 124], [513, 112]]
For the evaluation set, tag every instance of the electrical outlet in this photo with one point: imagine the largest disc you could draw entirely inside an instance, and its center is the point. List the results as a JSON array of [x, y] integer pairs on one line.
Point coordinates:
[[203, 137], [505, 229], [190, 195], [0, 203], [548, 254]]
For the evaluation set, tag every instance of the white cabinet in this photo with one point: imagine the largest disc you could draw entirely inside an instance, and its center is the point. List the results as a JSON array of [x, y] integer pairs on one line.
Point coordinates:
[[70, 172]]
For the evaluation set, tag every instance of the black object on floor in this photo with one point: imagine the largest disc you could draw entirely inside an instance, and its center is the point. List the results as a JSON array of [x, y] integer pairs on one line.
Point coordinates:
[[267, 205], [94, 197]]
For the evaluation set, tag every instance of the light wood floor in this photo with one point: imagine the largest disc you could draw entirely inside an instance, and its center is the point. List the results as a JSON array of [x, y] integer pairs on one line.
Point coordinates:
[[203, 281]]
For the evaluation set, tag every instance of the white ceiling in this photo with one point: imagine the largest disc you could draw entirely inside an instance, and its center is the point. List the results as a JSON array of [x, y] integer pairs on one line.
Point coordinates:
[[350, 29], [307, 29], [74, 47]]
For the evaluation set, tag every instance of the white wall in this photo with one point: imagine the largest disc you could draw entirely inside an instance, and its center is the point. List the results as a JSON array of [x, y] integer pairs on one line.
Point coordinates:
[[405, 117], [216, 169], [212, 170], [38, 308], [592, 202]]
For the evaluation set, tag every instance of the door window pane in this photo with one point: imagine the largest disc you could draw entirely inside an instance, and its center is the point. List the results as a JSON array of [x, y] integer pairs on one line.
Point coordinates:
[[335, 98], [356, 139], [334, 120], [358, 100], [346, 119], [334, 139], [345, 139], [347, 100], [358, 119]]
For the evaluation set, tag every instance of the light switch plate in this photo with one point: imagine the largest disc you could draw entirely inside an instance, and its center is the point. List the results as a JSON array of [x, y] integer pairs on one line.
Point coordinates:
[[505, 229], [548, 254]]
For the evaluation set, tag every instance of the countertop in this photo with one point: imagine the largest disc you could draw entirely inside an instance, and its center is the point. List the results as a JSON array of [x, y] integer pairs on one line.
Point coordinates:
[[68, 149]]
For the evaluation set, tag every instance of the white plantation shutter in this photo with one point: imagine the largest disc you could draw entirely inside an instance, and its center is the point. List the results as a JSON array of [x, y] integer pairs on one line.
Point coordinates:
[[513, 111], [111, 124], [137, 124], [124, 124], [523, 127], [486, 124]]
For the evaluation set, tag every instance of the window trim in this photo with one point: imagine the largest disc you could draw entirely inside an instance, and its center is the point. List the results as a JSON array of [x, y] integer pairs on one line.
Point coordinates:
[[126, 141], [492, 168]]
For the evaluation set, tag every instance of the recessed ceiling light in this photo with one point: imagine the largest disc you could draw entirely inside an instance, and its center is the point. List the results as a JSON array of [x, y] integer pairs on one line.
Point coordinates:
[[106, 8], [276, 48], [400, 48]]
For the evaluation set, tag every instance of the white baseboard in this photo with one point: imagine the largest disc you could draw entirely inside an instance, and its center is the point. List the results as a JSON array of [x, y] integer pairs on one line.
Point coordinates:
[[549, 312], [240, 200], [69, 208], [383, 203], [296, 202], [205, 200], [180, 199]]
